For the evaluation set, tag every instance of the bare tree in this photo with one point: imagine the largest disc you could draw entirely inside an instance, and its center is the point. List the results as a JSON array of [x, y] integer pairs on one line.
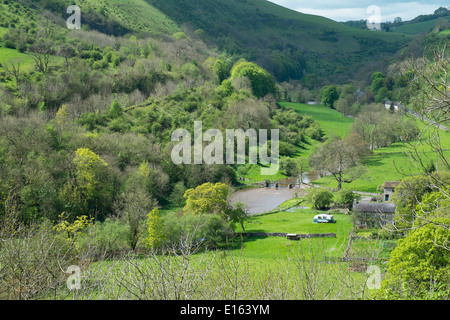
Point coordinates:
[[132, 208], [430, 102], [13, 68], [341, 159], [42, 52]]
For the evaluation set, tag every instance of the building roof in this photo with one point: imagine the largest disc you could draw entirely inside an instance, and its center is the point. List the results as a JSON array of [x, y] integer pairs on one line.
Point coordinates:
[[391, 184], [378, 207]]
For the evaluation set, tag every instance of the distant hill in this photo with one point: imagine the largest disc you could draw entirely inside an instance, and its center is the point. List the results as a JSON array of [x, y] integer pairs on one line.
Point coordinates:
[[285, 42], [422, 24], [289, 44], [422, 27]]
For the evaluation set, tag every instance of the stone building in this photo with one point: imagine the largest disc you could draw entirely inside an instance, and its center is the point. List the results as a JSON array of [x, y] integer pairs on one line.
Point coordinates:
[[389, 188]]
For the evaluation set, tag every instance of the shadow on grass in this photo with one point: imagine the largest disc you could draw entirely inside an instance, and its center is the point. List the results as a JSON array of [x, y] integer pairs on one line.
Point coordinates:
[[373, 162]]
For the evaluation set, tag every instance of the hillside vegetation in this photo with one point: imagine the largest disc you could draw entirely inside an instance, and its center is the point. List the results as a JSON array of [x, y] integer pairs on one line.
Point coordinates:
[[87, 170], [287, 43]]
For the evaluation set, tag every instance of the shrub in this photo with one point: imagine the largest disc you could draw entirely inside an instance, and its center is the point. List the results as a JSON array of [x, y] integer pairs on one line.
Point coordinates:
[[106, 237], [321, 199], [345, 198]]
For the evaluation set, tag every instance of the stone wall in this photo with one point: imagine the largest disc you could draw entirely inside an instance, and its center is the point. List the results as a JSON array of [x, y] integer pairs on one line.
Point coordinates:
[[284, 235]]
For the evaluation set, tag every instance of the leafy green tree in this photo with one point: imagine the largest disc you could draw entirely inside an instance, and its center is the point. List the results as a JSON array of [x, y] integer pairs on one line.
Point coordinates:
[[91, 188], [207, 198], [329, 96], [262, 82], [409, 196], [176, 196], [419, 266], [288, 166], [156, 229], [321, 199], [345, 198], [115, 110], [222, 69], [239, 213]]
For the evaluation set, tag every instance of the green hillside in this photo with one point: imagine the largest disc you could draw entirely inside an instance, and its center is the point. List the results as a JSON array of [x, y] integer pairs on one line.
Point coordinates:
[[136, 15], [285, 42], [419, 27], [331, 121]]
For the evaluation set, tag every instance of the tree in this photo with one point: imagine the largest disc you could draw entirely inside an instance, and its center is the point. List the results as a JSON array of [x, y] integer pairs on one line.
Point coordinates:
[[66, 51], [380, 128], [222, 69], [262, 82], [42, 51], [345, 198], [207, 198], [429, 82], [115, 110], [132, 208], [321, 199], [341, 159], [13, 68], [90, 189], [302, 167], [155, 225], [288, 166], [420, 264], [398, 21], [409, 198], [239, 213], [329, 96]]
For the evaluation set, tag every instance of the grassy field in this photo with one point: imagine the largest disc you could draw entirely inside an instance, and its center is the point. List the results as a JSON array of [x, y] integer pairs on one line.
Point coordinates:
[[7, 55], [136, 15], [299, 222], [386, 164], [331, 121]]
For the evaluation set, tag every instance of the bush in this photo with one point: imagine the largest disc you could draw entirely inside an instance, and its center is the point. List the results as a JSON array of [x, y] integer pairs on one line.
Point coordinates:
[[210, 229], [107, 237], [321, 199], [345, 198]]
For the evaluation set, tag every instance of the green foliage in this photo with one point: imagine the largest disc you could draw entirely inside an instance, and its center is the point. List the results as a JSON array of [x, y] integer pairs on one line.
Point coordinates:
[[207, 198], [155, 225], [329, 96], [288, 166], [238, 214], [73, 230], [261, 81], [179, 35], [222, 69], [419, 265], [90, 190], [409, 196], [321, 199], [345, 198], [115, 110], [263, 32]]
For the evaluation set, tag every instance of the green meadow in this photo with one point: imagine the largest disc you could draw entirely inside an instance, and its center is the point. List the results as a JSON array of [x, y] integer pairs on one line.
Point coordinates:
[[331, 121], [391, 163], [9, 55]]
